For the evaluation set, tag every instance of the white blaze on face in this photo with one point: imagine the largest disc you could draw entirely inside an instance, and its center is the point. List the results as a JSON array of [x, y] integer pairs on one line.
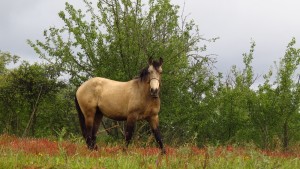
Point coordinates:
[[154, 80], [154, 84]]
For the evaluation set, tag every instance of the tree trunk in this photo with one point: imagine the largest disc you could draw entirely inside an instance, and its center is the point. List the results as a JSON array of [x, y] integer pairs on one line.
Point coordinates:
[[33, 114], [33, 123]]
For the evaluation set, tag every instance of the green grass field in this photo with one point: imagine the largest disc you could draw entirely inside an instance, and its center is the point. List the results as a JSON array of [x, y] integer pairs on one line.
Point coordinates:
[[43, 153]]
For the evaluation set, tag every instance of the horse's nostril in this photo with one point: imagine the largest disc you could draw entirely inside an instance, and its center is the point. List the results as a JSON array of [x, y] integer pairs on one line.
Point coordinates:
[[153, 91]]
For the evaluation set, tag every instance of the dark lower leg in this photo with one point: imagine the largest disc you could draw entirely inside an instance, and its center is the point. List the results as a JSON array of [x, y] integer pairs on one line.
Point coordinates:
[[128, 133], [158, 139], [90, 139], [97, 120]]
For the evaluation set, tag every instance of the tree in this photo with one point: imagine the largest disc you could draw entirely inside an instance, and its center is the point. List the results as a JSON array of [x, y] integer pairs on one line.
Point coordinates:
[[5, 59], [25, 89], [232, 97], [288, 90], [271, 110], [5, 95], [114, 41]]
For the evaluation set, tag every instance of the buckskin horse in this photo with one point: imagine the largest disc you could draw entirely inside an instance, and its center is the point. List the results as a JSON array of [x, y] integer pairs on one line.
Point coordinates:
[[137, 99]]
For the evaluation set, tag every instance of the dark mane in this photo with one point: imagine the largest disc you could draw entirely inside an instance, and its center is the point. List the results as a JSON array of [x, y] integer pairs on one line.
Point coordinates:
[[143, 74]]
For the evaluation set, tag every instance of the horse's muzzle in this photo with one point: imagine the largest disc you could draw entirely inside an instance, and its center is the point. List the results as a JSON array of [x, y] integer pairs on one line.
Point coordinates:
[[154, 93]]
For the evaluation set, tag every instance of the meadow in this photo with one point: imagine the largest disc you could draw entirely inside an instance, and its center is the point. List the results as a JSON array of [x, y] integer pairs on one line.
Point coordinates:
[[32, 153]]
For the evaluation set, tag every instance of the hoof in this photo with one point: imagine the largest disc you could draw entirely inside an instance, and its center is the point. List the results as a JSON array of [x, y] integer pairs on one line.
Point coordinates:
[[96, 148], [93, 148], [163, 152], [124, 149]]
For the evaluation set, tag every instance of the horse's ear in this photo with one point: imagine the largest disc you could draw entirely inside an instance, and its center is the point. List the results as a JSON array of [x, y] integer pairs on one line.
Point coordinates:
[[150, 60], [161, 61]]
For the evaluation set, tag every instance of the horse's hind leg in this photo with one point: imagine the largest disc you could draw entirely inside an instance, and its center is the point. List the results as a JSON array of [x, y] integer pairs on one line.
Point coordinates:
[[90, 114], [97, 120], [89, 129]]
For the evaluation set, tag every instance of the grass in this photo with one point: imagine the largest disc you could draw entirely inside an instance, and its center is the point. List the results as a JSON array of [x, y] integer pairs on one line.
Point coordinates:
[[43, 153]]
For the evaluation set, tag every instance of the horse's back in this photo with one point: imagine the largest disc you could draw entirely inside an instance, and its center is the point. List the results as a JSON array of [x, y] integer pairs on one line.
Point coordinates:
[[89, 88]]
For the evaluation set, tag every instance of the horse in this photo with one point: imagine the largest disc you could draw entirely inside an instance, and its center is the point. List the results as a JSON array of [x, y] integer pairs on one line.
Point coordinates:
[[137, 99]]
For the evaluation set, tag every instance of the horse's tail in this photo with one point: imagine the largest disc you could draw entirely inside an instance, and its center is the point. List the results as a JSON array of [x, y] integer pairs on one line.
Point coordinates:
[[81, 118]]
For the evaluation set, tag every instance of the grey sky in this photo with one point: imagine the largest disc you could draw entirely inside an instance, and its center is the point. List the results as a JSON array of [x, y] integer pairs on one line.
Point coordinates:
[[270, 23]]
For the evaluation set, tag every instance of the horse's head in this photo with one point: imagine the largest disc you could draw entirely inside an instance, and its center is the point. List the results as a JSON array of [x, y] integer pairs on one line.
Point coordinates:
[[154, 74]]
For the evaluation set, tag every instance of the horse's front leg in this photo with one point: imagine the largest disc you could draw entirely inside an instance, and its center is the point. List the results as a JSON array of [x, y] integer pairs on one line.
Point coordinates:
[[129, 129], [153, 121]]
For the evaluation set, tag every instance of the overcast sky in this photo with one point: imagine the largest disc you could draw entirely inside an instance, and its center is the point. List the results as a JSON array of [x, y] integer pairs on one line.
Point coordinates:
[[270, 23]]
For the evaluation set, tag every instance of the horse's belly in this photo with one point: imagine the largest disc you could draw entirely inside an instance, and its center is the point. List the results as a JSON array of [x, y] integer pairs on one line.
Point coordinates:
[[113, 101], [117, 117], [113, 111]]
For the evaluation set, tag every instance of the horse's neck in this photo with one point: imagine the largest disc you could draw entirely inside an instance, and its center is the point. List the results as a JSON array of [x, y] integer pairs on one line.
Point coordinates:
[[144, 89]]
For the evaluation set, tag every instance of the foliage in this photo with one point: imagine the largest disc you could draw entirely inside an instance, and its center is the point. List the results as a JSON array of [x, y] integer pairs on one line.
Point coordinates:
[[24, 93], [5, 59], [114, 41], [266, 112]]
